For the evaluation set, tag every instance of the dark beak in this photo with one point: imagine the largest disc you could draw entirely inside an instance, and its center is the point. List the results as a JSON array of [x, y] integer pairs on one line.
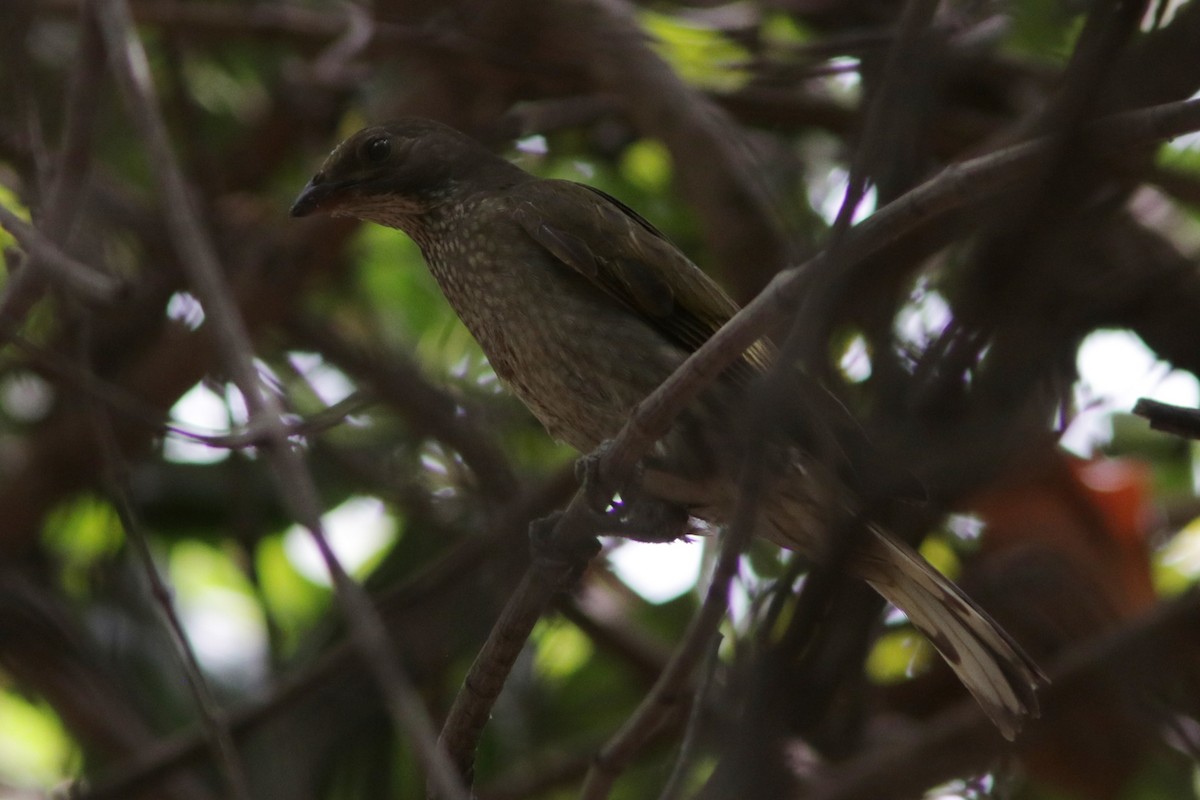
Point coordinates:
[[315, 194]]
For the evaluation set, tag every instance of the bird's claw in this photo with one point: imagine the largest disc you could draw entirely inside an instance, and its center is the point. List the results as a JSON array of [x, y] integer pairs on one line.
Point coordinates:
[[646, 519], [587, 471], [636, 515]]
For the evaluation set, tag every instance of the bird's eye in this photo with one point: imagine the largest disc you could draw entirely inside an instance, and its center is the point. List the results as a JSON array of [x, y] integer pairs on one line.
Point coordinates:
[[378, 149]]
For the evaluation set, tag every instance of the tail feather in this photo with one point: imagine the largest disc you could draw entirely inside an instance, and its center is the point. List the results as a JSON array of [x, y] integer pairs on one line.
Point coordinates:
[[992, 666], [989, 663]]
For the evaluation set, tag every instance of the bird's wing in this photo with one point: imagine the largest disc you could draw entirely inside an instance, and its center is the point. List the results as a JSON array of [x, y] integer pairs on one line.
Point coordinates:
[[625, 256]]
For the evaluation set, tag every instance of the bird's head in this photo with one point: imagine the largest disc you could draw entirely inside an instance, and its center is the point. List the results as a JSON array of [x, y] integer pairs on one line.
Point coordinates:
[[393, 173]]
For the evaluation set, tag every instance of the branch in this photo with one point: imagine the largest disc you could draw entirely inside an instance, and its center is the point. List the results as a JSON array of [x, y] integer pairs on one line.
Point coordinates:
[[47, 651], [421, 590], [961, 736], [425, 407], [1178, 420], [66, 191], [473, 704], [213, 719], [665, 695], [953, 188], [715, 165], [296, 487], [73, 275], [868, 155], [245, 436], [679, 773]]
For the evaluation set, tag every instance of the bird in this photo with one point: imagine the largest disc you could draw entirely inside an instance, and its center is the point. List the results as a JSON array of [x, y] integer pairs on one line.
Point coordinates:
[[582, 308]]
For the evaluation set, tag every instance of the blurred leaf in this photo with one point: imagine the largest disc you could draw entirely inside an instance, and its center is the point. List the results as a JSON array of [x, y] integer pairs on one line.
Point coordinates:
[[1171, 457], [1045, 29], [294, 602], [8, 199], [1182, 154], [702, 56], [196, 567], [779, 27], [647, 165], [897, 656], [941, 555], [405, 301], [35, 749], [561, 648], [80, 533], [1177, 565], [223, 87]]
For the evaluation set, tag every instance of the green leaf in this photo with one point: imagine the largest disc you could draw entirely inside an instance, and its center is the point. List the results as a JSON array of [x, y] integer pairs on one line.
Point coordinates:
[[896, 656], [295, 602], [647, 164], [81, 533], [404, 300], [941, 555], [561, 648], [1046, 30], [35, 750], [1177, 566], [702, 56], [8, 199]]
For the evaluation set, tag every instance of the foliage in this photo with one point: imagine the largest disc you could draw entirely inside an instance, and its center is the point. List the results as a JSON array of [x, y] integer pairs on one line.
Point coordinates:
[[737, 129]]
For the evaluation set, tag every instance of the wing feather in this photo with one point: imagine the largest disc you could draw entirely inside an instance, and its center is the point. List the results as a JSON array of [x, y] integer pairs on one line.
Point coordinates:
[[627, 258]]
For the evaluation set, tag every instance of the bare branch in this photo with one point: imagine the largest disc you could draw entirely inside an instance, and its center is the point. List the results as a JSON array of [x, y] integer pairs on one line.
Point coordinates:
[[953, 188], [70, 173], [1178, 420], [71, 274], [667, 692], [957, 739], [742, 224], [233, 342], [212, 716], [424, 406], [674, 785]]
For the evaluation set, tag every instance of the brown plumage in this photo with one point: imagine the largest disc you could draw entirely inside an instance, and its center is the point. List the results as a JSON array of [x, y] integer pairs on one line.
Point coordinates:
[[583, 308]]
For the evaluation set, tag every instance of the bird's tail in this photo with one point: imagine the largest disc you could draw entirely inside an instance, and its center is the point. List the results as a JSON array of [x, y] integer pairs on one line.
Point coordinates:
[[992, 666]]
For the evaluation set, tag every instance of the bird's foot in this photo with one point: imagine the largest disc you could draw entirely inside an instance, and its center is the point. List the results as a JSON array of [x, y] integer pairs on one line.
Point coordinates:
[[647, 519], [627, 511], [598, 493]]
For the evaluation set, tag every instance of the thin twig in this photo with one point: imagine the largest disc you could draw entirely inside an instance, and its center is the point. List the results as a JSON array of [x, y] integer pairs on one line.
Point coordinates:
[[951, 189], [306, 27], [295, 483], [425, 407], [249, 436], [915, 18], [691, 732], [213, 719], [53, 366], [65, 193], [954, 187], [1178, 420], [175, 752], [56, 368], [956, 739], [70, 273], [666, 693]]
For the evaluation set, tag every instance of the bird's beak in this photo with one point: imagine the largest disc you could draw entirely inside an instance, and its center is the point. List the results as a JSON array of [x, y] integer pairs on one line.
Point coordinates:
[[315, 195]]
